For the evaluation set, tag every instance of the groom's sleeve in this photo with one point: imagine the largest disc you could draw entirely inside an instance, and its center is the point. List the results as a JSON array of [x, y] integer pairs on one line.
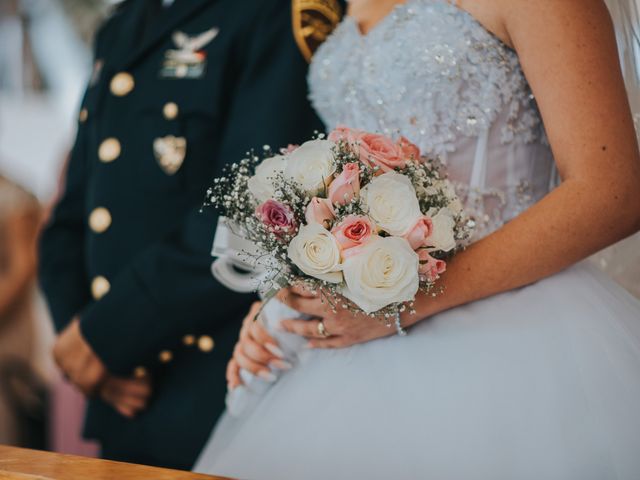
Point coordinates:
[[167, 291], [61, 266], [62, 272]]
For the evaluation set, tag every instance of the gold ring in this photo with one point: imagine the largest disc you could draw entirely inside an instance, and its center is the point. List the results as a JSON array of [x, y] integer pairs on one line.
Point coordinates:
[[322, 330]]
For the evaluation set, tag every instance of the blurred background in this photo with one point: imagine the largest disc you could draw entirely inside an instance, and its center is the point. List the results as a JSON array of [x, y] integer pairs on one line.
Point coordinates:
[[45, 61]]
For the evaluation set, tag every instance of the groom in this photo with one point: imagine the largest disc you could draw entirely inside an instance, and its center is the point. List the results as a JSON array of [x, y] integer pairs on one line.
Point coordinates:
[[179, 88]]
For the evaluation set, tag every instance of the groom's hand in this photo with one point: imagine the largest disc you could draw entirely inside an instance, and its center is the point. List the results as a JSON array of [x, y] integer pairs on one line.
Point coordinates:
[[77, 360], [128, 396]]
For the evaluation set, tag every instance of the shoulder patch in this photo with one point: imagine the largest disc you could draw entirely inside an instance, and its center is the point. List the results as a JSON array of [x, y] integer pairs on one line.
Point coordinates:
[[313, 21]]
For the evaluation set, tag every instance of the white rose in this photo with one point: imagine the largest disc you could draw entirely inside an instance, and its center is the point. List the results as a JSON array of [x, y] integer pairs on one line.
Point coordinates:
[[261, 185], [311, 165], [392, 202], [383, 272], [442, 237], [316, 252]]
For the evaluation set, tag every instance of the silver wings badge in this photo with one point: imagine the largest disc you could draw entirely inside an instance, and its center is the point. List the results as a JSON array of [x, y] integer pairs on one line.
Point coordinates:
[[189, 59]]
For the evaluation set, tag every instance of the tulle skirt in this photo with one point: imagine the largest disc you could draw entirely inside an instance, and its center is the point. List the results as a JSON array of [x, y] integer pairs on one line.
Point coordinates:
[[539, 383]]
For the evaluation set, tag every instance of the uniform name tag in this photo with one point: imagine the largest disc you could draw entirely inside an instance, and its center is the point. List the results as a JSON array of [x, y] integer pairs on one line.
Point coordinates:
[[188, 60]]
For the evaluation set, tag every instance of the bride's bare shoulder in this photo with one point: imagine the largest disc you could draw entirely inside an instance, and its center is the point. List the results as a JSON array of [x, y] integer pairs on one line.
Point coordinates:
[[567, 49], [504, 18]]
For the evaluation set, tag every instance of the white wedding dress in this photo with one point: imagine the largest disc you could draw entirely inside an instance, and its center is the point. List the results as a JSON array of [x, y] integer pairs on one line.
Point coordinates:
[[538, 383]]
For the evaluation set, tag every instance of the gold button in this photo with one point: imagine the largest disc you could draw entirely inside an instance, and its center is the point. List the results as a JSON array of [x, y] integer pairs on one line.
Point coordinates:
[[140, 372], [100, 286], [122, 84], [189, 340], [165, 356], [170, 110], [206, 343], [100, 220], [84, 114], [109, 150]]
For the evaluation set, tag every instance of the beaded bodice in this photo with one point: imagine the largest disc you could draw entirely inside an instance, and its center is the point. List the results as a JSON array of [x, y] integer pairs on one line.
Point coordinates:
[[431, 72]]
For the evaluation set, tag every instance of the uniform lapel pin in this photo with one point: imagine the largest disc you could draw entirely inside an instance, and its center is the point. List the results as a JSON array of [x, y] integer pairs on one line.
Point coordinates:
[[170, 152], [188, 59]]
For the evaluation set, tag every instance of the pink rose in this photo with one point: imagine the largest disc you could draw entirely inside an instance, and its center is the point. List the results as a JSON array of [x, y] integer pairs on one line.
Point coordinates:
[[418, 234], [409, 150], [378, 150], [278, 218], [430, 268], [319, 210], [353, 231], [346, 134], [346, 186], [289, 149]]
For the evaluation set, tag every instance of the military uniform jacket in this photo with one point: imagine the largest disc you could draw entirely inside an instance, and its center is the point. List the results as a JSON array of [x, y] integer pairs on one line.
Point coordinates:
[[127, 247]]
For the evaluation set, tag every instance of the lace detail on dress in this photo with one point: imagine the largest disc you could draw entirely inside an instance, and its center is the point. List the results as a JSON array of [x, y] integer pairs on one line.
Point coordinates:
[[434, 74], [429, 70]]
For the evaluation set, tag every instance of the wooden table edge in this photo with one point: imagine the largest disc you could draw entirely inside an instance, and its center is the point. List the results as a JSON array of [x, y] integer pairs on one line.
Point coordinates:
[[21, 463]]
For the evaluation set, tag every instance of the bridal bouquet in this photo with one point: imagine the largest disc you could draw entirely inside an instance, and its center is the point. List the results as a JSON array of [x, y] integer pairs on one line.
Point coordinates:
[[361, 217]]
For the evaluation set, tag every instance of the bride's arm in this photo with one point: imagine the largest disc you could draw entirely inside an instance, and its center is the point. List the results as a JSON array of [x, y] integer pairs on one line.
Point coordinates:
[[568, 53]]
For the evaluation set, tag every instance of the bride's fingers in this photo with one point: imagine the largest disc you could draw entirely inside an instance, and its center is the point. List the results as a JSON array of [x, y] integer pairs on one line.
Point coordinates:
[[304, 328], [257, 352], [259, 333], [309, 306], [306, 303], [251, 366], [233, 375], [328, 343], [267, 354], [250, 317], [303, 291]]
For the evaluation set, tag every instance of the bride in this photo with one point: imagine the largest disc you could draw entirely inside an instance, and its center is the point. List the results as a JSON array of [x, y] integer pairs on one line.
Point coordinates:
[[527, 366]]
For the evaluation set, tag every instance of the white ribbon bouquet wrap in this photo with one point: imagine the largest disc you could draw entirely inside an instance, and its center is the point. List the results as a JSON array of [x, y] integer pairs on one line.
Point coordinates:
[[235, 266]]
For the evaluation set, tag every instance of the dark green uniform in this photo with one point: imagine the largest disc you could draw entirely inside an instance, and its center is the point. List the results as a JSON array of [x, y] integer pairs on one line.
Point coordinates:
[[175, 94]]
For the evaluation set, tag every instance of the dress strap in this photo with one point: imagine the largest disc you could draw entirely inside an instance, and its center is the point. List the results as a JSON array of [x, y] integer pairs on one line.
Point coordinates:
[[554, 178], [479, 171]]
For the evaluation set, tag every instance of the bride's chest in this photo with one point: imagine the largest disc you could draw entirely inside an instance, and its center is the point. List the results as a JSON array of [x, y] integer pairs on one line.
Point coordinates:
[[428, 70]]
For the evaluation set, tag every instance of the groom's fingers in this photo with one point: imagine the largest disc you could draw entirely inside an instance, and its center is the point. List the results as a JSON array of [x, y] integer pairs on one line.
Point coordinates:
[[125, 387], [125, 411], [127, 396], [134, 387]]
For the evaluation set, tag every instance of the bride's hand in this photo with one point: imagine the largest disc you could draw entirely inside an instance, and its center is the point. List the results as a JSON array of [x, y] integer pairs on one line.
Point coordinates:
[[255, 351], [342, 328]]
